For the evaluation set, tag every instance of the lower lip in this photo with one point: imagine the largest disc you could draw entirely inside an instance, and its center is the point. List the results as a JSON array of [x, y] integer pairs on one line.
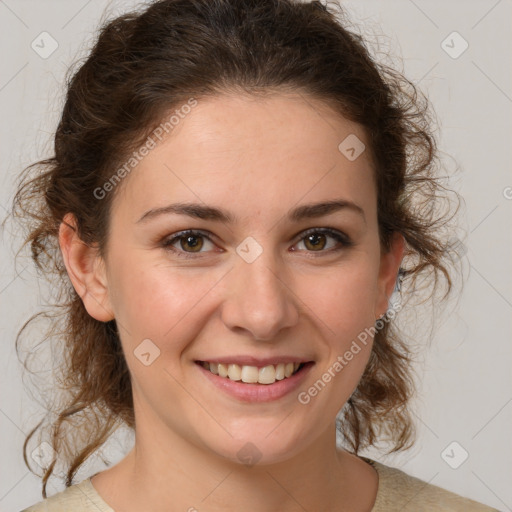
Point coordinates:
[[257, 392]]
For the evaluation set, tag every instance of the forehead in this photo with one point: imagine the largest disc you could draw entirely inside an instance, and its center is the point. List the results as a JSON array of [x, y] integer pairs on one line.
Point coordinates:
[[253, 151]]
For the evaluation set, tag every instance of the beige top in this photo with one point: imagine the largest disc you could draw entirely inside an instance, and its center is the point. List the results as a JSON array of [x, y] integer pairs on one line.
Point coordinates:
[[397, 491]]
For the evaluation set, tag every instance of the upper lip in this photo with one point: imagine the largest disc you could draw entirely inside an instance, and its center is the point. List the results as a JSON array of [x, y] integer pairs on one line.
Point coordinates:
[[255, 361]]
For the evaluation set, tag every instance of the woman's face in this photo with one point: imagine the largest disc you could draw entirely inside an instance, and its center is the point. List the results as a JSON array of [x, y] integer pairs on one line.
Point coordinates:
[[261, 281]]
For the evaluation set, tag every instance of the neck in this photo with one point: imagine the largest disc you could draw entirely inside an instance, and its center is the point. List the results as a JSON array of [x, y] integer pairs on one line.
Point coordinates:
[[182, 476], [172, 470]]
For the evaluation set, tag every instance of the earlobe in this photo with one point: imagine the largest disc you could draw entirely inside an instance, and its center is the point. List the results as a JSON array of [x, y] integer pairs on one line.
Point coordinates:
[[86, 270], [388, 272]]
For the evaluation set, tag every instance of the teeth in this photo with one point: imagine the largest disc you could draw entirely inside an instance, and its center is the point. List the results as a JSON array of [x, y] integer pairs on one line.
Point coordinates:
[[249, 374], [234, 372], [252, 374], [280, 372], [223, 370]]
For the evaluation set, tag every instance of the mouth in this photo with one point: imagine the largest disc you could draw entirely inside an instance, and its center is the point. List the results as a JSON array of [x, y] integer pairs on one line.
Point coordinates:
[[247, 374], [255, 384]]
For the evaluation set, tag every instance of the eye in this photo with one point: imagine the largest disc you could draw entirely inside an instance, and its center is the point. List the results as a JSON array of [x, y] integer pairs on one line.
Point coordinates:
[[189, 241], [316, 240]]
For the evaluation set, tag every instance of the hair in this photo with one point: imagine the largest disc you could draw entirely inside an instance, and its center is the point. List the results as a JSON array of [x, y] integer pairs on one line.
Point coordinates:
[[144, 64]]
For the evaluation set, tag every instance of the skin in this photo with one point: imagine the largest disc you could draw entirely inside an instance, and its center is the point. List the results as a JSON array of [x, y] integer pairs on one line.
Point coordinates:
[[257, 158]]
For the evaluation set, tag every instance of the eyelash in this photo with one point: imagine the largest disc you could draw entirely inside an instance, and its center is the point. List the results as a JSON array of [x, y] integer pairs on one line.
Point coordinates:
[[340, 237]]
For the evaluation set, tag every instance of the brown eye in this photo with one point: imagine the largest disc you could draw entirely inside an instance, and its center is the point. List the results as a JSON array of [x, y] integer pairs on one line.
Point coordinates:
[[187, 243], [191, 241], [316, 241]]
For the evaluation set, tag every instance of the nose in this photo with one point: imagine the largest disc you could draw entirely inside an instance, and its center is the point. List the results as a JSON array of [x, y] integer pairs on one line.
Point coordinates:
[[259, 301]]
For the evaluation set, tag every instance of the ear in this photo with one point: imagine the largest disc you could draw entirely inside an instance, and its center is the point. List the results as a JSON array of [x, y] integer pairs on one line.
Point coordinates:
[[86, 270], [388, 272]]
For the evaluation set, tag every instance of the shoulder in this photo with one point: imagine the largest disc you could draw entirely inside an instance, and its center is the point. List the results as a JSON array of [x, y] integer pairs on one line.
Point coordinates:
[[397, 488], [80, 497]]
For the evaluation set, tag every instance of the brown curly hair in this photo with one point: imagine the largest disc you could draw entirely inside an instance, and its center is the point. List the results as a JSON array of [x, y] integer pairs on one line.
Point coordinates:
[[142, 65]]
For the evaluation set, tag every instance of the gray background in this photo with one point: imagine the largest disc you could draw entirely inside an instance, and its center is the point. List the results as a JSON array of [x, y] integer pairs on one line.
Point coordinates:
[[464, 375]]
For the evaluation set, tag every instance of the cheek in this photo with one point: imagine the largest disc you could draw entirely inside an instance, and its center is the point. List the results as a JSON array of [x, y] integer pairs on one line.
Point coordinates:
[[168, 309], [343, 299], [157, 301], [343, 311]]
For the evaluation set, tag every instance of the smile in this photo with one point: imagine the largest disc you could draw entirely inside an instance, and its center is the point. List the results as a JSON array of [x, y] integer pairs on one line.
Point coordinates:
[[252, 374], [249, 383]]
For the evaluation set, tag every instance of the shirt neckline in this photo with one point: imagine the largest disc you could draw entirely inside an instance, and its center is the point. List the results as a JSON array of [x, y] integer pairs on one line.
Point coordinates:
[[87, 487], [378, 504]]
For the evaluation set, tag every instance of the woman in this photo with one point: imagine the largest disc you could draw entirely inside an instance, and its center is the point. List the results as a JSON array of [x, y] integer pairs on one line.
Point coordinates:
[[237, 191]]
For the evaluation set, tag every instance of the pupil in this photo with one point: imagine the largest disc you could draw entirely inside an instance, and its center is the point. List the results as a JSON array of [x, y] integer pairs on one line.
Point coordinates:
[[189, 240], [314, 240]]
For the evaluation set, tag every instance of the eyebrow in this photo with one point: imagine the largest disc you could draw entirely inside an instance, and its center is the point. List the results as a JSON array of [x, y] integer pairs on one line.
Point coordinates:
[[200, 211]]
